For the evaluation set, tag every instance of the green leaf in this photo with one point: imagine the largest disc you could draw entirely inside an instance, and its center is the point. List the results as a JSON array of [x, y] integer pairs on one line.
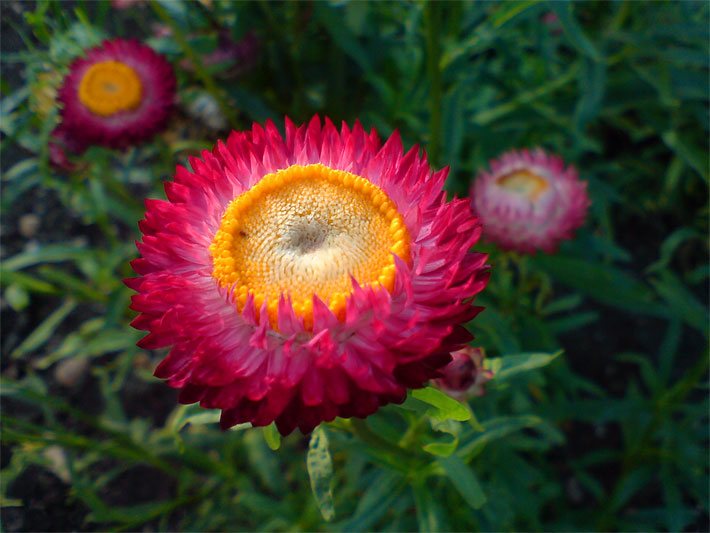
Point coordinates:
[[444, 406], [465, 481], [252, 104], [27, 282], [320, 472], [573, 30], [506, 11], [264, 462], [576, 321], [511, 365], [10, 102], [444, 447], [330, 19], [603, 283], [376, 501], [51, 253], [454, 104], [592, 82], [693, 155], [45, 330], [566, 303], [494, 429], [671, 244], [429, 512], [192, 414], [682, 302], [272, 436], [17, 297], [630, 484], [22, 169]]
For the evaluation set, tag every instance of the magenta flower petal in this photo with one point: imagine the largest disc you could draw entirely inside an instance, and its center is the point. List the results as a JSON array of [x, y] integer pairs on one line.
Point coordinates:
[[529, 201], [350, 286]]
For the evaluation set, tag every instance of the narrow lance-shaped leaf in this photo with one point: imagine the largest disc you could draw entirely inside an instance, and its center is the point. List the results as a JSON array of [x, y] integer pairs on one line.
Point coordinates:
[[445, 407], [320, 471], [511, 365], [272, 437], [465, 481]]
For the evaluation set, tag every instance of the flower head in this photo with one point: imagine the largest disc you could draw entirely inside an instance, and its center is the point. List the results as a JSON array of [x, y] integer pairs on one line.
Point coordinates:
[[120, 93], [464, 377], [307, 277], [529, 201]]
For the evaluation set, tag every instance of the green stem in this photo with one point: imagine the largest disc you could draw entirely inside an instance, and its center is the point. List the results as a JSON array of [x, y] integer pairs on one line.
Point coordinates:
[[362, 431], [433, 25], [410, 437], [200, 71], [663, 408]]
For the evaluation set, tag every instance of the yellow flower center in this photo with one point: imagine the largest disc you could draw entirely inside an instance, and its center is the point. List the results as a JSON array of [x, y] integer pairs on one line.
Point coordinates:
[[306, 230], [110, 87], [524, 183]]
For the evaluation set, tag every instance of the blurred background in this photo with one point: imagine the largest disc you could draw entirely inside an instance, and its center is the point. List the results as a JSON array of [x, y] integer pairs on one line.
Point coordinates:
[[608, 432]]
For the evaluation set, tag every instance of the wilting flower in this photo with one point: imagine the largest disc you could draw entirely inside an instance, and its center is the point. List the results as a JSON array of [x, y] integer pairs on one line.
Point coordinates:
[[205, 108], [235, 56], [61, 147], [120, 93], [464, 377], [529, 201], [125, 4], [43, 93], [307, 277]]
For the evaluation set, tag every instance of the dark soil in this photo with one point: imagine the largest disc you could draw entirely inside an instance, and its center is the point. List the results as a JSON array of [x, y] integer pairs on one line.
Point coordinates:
[[46, 504]]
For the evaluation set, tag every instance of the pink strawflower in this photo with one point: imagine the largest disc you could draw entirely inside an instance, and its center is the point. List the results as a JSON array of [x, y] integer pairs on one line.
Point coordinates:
[[529, 201], [118, 94], [464, 377], [305, 277]]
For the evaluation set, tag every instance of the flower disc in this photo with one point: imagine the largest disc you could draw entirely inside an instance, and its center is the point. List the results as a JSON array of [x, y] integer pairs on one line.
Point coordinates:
[[529, 201], [305, 231], [118, 94], [110, 87], [305, 277]]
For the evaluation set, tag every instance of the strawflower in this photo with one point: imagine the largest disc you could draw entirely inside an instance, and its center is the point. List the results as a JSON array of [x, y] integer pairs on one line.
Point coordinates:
[[529, 201], [118, 94], [464, 377], [305, 277]]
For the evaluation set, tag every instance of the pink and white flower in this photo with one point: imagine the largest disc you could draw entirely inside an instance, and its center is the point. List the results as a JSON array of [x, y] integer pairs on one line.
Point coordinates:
[[529, 201]]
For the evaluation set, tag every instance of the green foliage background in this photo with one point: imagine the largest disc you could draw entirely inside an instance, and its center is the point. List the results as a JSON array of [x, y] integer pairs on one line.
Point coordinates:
[[611, 435]]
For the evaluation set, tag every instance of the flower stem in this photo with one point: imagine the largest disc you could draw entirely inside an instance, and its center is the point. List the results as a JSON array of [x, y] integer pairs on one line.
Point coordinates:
[[433, 23], [362, 431], [200, 70]]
